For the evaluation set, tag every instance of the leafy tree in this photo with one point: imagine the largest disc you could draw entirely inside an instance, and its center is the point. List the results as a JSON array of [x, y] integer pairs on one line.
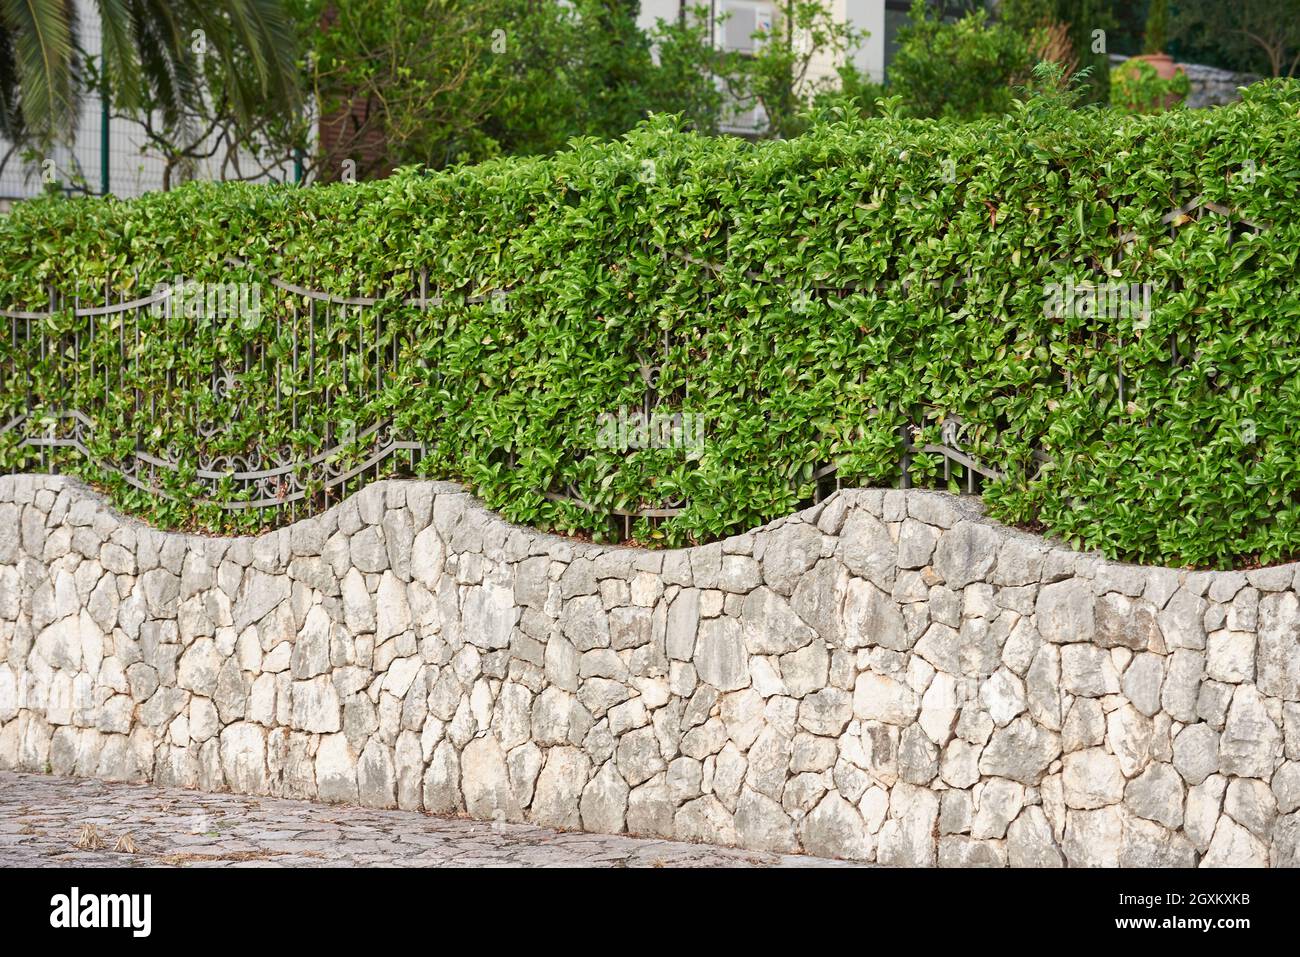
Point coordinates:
[[1128, 28], [1049, 39], [1077, 20], [149, 60], [1257, 36], [856, 94], [684, 80], [1084, 18], [961, 70], [776, 76], [613, 62], [1157, 27], [440, 82], [417, 78], [1026, 15]]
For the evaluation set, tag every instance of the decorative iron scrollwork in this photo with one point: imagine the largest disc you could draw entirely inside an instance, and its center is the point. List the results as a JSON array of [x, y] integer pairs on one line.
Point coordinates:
[[272, 478]]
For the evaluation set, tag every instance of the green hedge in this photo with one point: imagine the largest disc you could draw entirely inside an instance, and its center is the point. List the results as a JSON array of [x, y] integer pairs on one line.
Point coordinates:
[[873, 276]]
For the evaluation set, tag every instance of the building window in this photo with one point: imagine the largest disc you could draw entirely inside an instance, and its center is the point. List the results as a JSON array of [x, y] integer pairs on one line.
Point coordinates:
[[895, 19]]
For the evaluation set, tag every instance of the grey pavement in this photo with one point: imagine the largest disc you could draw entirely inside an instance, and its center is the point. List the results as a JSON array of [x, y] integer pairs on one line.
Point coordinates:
[[48, 821]]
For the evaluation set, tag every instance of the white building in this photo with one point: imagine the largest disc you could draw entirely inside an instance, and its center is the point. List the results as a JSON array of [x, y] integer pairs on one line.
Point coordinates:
[[879, 19], [743, 17]]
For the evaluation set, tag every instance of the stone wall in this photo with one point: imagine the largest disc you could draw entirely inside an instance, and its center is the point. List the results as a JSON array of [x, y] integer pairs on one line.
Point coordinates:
[[888, 677], [1209, 85], [1212, 86]]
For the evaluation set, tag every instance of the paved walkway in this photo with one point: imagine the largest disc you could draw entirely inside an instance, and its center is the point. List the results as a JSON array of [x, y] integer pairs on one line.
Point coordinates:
[[48, 821]]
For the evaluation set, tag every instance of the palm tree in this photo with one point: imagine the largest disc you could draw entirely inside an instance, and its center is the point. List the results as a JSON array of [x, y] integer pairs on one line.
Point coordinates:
[[152, 58]]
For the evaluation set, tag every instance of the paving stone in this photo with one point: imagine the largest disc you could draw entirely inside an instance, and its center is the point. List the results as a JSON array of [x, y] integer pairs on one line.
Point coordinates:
[[170, 827]]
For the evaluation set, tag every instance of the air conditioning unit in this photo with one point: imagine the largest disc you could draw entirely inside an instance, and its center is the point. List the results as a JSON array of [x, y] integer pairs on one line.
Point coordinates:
[[744, 18]]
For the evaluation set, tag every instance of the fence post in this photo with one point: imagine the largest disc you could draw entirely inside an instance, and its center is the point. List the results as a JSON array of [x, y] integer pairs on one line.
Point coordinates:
[[905, 463], [104, 118]]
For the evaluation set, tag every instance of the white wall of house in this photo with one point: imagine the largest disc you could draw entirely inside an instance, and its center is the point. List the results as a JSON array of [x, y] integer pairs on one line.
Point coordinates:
[[868, 15], [653, 11], [743, 17]]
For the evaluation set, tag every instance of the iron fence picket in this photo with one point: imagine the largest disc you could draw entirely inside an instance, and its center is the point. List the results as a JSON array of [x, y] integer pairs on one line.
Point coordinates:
[[285, 487]]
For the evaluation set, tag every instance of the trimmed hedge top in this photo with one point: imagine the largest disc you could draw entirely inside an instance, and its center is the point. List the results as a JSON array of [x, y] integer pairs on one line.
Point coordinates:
[[810, 301]]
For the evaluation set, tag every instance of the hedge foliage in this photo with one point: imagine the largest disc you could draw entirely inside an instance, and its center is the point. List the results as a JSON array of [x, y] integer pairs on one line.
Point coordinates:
[[873, 276]]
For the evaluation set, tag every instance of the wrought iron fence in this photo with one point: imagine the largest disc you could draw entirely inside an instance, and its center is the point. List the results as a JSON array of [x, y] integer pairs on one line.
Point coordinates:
[[281, 482], [284, 483]]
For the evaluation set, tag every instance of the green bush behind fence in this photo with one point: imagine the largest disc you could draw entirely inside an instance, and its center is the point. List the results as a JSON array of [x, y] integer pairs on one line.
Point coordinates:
[[823, 305]]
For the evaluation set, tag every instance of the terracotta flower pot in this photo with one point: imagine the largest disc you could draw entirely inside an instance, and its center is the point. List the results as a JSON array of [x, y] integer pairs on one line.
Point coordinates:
[[1166, 69], [1165, 66]]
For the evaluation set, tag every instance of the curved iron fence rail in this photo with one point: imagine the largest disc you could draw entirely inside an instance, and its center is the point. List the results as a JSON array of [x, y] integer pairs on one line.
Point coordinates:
[[279, 486], [291, 479]]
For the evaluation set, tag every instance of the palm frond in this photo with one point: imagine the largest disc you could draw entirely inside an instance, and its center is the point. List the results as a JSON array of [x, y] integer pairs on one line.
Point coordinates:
[[11, 116], [168, 69], [120, 61], [149, 61], [41, 36], [256, 35]]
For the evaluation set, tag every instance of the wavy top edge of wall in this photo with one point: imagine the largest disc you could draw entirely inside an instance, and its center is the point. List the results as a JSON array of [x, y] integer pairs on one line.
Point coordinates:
[[938, 509]]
